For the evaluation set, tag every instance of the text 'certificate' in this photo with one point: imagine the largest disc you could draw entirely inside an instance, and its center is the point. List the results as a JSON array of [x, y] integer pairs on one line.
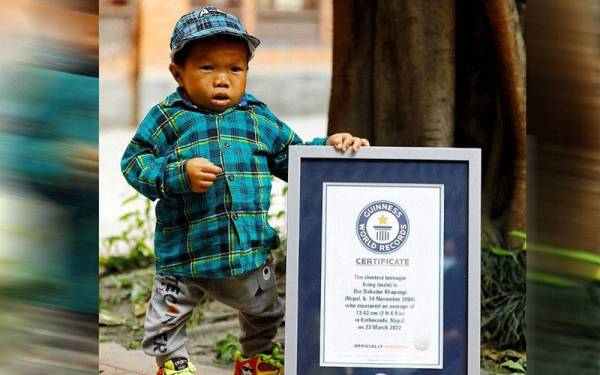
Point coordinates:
[[382, 275]]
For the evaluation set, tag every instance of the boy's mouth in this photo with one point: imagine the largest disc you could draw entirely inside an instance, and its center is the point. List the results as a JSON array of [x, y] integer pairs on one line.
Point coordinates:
[[220, 98]]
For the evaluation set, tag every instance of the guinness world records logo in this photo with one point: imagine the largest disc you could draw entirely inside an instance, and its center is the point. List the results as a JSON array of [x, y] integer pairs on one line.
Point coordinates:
[[382, 227]]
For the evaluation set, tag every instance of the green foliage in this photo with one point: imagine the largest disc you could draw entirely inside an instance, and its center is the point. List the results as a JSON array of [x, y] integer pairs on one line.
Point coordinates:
[[504, 361], [140, 292], [122, 281], [139, 295], [517, 367], [280, 251], [110, 319], [135, 345], [226, 348], [137, 329], [134, 242], [196, 319], [503, 288]]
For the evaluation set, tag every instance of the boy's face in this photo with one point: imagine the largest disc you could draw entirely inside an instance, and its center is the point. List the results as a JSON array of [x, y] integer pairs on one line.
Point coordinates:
[[214, 73]]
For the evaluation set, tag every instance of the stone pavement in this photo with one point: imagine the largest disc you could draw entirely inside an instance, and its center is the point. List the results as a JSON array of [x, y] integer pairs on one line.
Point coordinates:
[[116, 360]]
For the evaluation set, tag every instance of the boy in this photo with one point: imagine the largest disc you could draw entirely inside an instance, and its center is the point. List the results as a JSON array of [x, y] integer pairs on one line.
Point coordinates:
[[207, 152]]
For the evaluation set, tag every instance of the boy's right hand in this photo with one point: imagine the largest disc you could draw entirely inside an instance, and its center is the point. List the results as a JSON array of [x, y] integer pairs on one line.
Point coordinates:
[[201, 174]]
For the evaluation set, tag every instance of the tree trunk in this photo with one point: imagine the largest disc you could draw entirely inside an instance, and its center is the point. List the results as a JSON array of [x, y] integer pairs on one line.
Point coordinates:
[[393, 79], [351, 103], [510, 47], [424, 73]]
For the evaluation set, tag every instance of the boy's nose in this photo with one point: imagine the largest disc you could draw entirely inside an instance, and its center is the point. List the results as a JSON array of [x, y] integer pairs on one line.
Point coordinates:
[[221, 81]]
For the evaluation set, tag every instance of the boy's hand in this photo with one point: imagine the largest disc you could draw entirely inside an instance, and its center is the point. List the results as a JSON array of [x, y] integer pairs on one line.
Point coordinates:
[[201, 174], [341, 141]]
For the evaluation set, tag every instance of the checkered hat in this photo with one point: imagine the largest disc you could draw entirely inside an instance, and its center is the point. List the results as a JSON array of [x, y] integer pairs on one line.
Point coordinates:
[[207, 22]]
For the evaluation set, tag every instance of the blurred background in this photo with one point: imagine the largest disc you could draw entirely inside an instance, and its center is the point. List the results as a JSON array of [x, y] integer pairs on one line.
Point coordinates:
[[49, 187], [563, 265]]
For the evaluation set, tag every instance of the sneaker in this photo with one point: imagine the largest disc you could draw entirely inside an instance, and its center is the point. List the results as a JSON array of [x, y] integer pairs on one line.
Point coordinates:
[[177, 366], [262, 364]]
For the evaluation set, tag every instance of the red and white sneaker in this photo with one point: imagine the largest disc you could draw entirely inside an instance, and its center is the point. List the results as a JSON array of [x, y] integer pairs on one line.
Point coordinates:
[[262, 364]]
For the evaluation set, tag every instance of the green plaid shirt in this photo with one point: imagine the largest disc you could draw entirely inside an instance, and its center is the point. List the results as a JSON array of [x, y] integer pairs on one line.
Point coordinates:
[[224, 231]]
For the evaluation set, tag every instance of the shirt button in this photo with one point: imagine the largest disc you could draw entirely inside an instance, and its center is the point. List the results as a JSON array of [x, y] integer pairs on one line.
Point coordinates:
[[226, 145], [234, 216], [230, 177]]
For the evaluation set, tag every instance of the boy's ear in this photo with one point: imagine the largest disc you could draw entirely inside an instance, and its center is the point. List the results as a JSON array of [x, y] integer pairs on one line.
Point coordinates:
[[176, 73]]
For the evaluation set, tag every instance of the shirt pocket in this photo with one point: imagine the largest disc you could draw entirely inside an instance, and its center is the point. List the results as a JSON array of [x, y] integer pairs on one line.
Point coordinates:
[[207, 149]]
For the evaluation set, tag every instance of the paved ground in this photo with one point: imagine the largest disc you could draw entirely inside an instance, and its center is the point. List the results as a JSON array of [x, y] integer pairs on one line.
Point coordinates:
[[116, 360]]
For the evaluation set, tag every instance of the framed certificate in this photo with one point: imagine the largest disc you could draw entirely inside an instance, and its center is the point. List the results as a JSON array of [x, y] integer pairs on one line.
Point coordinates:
[[383, 261]]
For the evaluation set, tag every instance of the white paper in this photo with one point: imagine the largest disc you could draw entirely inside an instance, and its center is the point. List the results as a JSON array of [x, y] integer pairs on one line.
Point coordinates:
[[381, 300]]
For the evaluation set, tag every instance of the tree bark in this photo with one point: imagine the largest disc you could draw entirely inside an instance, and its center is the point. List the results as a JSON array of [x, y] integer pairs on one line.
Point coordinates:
[[393, 79], [510, 47], [438, 74], [350, 106]]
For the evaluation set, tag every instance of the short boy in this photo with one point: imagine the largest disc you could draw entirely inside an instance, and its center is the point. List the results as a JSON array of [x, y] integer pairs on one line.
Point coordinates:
[[207, 153]]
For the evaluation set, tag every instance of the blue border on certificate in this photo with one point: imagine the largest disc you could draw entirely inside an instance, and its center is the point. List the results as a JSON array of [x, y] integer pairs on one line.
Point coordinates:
[[454, 175]]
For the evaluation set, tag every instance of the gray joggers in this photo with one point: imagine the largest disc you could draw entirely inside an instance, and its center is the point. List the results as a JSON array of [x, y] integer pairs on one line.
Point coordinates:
[[173, 299]]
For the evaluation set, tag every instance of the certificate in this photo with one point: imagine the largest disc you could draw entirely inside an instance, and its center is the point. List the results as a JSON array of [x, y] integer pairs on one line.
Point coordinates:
[[381, 277], [383, 261]]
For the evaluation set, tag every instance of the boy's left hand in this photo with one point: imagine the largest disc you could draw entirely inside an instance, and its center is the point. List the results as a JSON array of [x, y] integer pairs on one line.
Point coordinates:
[[341, 141]]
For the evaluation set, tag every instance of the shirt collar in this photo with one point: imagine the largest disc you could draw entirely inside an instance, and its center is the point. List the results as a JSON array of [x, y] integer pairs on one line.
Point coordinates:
[[179, 96]]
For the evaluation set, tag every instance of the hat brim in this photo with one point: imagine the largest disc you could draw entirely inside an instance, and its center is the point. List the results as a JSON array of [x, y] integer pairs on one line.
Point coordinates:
[[252, 41]]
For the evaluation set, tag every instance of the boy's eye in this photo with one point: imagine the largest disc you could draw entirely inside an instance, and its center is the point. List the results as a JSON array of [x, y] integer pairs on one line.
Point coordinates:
[[236, 69], [206, 67]]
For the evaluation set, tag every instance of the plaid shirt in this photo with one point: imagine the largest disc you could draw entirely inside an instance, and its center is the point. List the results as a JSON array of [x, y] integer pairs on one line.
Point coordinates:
[[224, 231]]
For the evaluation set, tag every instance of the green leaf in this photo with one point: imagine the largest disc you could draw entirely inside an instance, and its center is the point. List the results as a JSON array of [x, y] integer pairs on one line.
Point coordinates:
[[518, 234], [196, 319], [123, 282], [226, 347], [131, 199], [502, 252], [126, 216], [135, 345], [139, 293], [513, 366]]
